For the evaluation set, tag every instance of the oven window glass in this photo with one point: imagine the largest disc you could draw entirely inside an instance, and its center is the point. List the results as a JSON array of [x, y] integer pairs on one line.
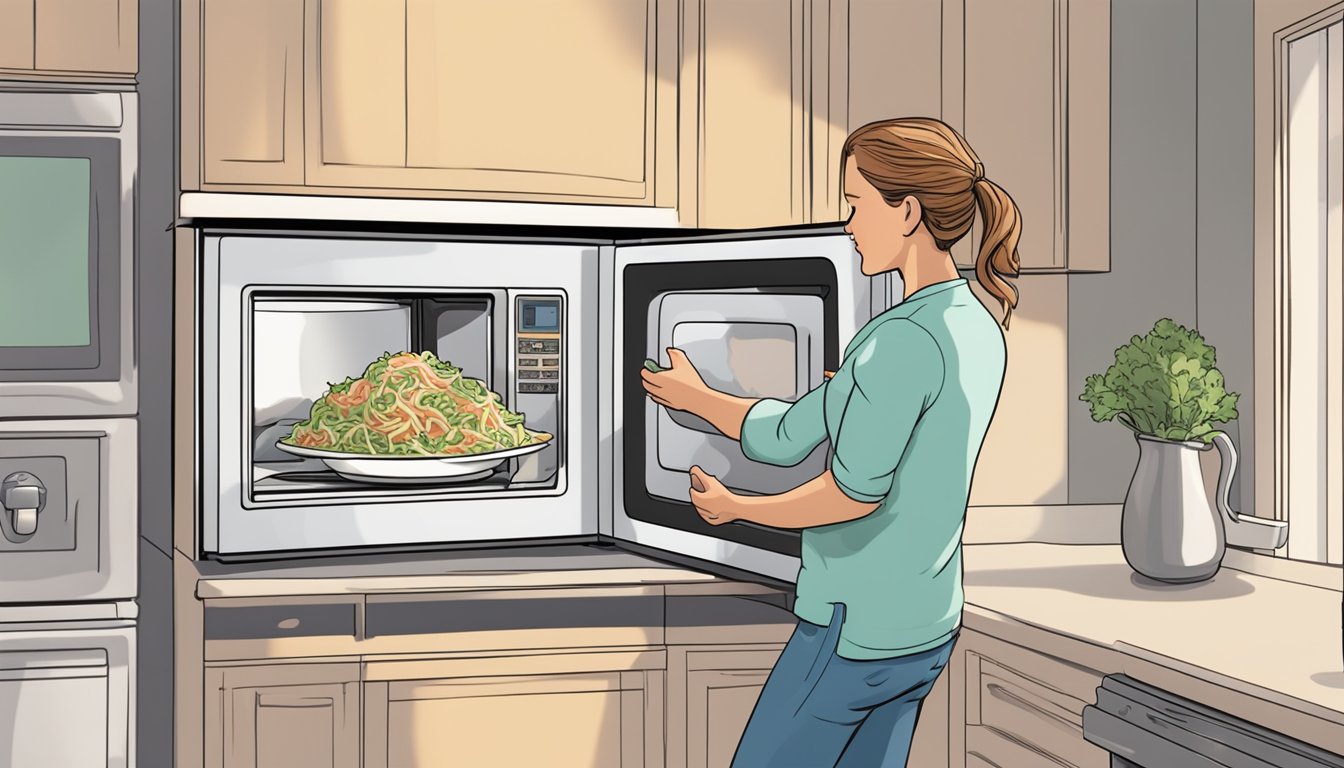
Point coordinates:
[[301, 344], [61, 209], [743, 359], [44, 233]]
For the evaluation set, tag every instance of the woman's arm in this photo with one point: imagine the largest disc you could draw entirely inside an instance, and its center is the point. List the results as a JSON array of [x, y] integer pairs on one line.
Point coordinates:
[[817, 502]]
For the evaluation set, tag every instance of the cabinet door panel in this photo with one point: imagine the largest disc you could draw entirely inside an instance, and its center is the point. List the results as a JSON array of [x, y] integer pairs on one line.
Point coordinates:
[[749, 100], [719, 705], [1089, 145], [1012, 117], [503, 99], [596, 719], [87, 35], [16, 34], [310, 726], [282, 716], [361, 83], [555, 88], [252, 91]]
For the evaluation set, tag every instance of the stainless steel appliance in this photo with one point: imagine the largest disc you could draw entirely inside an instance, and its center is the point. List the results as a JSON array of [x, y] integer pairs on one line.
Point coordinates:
[[1145, 727], [67, 430], [558, 327]]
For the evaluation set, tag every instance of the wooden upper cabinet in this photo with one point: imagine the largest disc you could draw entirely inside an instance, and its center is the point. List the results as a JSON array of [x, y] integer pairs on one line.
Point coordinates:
[[86, 36], [505, 99], [1036, 109], [744, 115], [16, 34], [82, 37], [252, 91]]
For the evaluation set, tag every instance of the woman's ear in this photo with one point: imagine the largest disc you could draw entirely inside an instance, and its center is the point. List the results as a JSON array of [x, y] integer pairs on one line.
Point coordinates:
[[912, 213]]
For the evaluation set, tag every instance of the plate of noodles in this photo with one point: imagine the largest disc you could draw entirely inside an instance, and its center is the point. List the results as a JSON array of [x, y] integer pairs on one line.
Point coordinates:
[[412, 418]]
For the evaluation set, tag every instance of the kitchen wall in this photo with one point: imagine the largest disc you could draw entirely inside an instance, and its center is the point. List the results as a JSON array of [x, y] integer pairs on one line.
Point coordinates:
[[156, 208], [1181, 218]]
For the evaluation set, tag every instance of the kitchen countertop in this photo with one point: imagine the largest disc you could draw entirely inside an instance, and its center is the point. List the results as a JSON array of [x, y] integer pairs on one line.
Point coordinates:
[[1272, 641]]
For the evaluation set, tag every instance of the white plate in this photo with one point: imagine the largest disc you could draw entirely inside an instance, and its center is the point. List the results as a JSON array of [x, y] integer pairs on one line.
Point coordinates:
[[412, 469]]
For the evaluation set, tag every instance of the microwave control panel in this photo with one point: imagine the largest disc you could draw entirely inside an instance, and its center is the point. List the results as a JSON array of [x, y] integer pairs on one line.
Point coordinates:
[[539, 345]]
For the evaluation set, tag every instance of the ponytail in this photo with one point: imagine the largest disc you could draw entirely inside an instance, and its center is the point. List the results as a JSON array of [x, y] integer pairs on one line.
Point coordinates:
[[998, 259]]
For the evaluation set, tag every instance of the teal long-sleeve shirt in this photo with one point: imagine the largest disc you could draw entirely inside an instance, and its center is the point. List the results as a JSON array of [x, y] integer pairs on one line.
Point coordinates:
[[906, 414]]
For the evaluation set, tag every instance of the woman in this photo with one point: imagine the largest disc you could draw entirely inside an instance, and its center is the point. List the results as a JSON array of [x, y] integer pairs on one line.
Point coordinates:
[[879, 594]]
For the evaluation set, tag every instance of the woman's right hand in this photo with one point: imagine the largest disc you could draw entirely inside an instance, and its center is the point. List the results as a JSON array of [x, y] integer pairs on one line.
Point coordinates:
[[678, 387]]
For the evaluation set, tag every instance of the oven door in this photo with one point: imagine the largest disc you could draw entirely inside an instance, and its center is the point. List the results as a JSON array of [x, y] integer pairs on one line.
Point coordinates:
[[760, 314], [67, 696], [67, 171]]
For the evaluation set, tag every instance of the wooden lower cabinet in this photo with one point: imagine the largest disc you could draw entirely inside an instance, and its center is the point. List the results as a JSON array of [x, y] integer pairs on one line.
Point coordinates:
[[603, 710], [283, 716], [711, 693], [1022, 707]]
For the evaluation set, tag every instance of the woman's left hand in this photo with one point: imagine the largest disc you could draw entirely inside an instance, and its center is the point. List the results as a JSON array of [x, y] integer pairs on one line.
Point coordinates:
[[715, 503]]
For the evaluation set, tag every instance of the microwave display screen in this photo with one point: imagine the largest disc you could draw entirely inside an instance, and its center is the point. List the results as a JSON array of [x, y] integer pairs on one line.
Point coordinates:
[[541, 316], [44, 227]]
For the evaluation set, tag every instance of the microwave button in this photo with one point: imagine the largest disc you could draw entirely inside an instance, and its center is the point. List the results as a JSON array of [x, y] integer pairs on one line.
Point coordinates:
[[540, 387], [527, 362], [550, 361], [549, 374], [530, 374], [526, 346], [550, 345]]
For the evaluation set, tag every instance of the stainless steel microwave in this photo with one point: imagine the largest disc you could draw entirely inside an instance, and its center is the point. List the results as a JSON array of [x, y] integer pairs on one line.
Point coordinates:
[[557, 329]]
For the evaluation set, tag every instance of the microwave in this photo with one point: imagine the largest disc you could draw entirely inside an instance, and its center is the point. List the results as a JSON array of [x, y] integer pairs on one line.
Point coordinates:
[[555, 328]]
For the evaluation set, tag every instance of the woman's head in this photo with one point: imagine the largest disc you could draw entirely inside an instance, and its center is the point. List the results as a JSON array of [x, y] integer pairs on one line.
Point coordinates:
[[916, 177]]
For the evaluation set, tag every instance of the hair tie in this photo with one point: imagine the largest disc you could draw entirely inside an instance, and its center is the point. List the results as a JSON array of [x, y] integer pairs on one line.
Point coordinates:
[[979, 172]]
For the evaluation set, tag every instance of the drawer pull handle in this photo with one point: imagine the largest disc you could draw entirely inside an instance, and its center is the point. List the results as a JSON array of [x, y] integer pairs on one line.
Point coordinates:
[[288, 624]]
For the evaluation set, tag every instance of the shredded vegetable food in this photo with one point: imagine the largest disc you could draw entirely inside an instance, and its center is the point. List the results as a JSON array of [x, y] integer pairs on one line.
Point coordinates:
[[412, 405]]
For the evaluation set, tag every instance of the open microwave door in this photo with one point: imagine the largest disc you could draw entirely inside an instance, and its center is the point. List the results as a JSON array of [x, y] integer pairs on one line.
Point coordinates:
[[761, 314]]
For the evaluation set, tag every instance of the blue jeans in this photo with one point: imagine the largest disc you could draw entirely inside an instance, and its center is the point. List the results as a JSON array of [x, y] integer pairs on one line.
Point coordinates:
[[820, 710]]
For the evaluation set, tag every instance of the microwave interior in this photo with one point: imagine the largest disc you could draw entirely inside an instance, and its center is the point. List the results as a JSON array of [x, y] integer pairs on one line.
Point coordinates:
[[302, 344], [60, 203], [760, 328]]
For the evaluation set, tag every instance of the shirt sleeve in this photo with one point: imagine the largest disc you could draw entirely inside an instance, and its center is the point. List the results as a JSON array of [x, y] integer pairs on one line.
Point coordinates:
[[898, 373], [780, 433]]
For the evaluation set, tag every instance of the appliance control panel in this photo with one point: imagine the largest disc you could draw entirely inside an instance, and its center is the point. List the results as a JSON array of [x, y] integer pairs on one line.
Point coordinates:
[[538, 344], [539, 355]]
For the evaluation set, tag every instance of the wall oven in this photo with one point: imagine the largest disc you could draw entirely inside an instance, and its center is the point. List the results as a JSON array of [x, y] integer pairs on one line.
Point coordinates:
[[68, 438], [67, 362], [557, 329]]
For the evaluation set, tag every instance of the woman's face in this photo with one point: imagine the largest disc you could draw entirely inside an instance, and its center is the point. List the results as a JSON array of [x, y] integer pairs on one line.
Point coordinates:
[[880, 231]]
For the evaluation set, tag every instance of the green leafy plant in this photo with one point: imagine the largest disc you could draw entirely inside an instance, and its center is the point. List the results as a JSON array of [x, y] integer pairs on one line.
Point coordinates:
[[1164, 384]]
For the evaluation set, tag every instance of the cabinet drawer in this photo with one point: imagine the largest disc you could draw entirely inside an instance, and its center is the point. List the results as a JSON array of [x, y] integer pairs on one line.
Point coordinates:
[[265, 622], [514, 619], [1022, 714]]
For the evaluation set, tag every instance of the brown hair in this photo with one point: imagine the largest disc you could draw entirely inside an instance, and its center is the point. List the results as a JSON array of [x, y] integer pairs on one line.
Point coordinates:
[[928, 160]]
